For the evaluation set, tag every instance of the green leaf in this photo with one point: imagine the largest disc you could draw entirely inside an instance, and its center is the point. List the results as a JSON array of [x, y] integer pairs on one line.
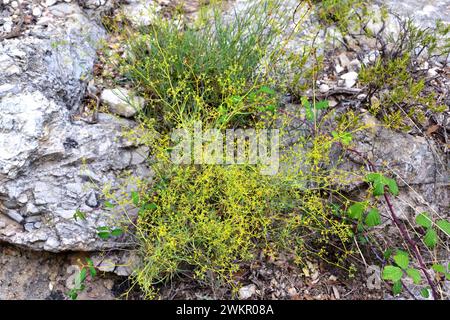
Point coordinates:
[[79, 215], [109, 205], [373, 218], [379, 182], [444, 225], [322, 105], [424, 220], [414, 274], [362, 240], [73, 294], [147, 207], [397, 288], [374, 177], [356, 210], [346, 138], [80, 278], [116, 232], [378, 189], [266, 89], [305, 102], [392, 273], [135, 198], [104, 235], [393, 187], [401, 259], [151, 206], [425, 293], [387, 254], [92, 270], [308, 109], [431, 238], [439, 268]]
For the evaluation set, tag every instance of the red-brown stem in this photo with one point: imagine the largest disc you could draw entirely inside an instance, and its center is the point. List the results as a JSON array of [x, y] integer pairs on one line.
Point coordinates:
[[401, 228], [413, 246]]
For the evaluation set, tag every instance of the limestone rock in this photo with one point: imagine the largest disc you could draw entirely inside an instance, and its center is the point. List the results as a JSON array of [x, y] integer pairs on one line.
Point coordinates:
[[50, 166]]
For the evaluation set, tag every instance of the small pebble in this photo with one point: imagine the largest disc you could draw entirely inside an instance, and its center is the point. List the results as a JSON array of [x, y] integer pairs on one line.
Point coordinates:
[[37, 12], [324, 88]]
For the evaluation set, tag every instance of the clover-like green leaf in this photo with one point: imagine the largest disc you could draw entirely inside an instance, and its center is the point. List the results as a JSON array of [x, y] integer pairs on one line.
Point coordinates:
[[444, 225], [392, 273], [356, 210], [414, 274], [401, 258], [431, 238], [424, 220], [373, 218]]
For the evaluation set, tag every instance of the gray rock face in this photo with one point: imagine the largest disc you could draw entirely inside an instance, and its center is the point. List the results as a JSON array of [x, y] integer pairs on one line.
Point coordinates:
[[414, 159], [425, 12], [49, 166], [41, 275]]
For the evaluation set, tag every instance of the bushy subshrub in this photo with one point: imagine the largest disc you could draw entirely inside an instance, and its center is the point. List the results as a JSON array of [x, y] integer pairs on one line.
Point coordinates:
[[206, 70]]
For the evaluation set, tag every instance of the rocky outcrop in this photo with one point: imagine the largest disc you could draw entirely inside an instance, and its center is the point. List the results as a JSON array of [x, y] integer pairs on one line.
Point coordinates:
[[50, 164]]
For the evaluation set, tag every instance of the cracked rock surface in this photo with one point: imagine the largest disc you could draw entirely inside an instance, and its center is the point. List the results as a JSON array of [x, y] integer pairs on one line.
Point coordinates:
[[51, 166]]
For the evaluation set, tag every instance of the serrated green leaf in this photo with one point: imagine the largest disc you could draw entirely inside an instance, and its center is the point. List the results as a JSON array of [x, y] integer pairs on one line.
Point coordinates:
[[439, 268], [374, 177], [424, 220], [444, 225], [379, 182], [425, 293], [392, 273], [356, 210], [431, 238], [373, 218], [401, 258], [378, 189], [414, 274], [397, 287], [393, 187]]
